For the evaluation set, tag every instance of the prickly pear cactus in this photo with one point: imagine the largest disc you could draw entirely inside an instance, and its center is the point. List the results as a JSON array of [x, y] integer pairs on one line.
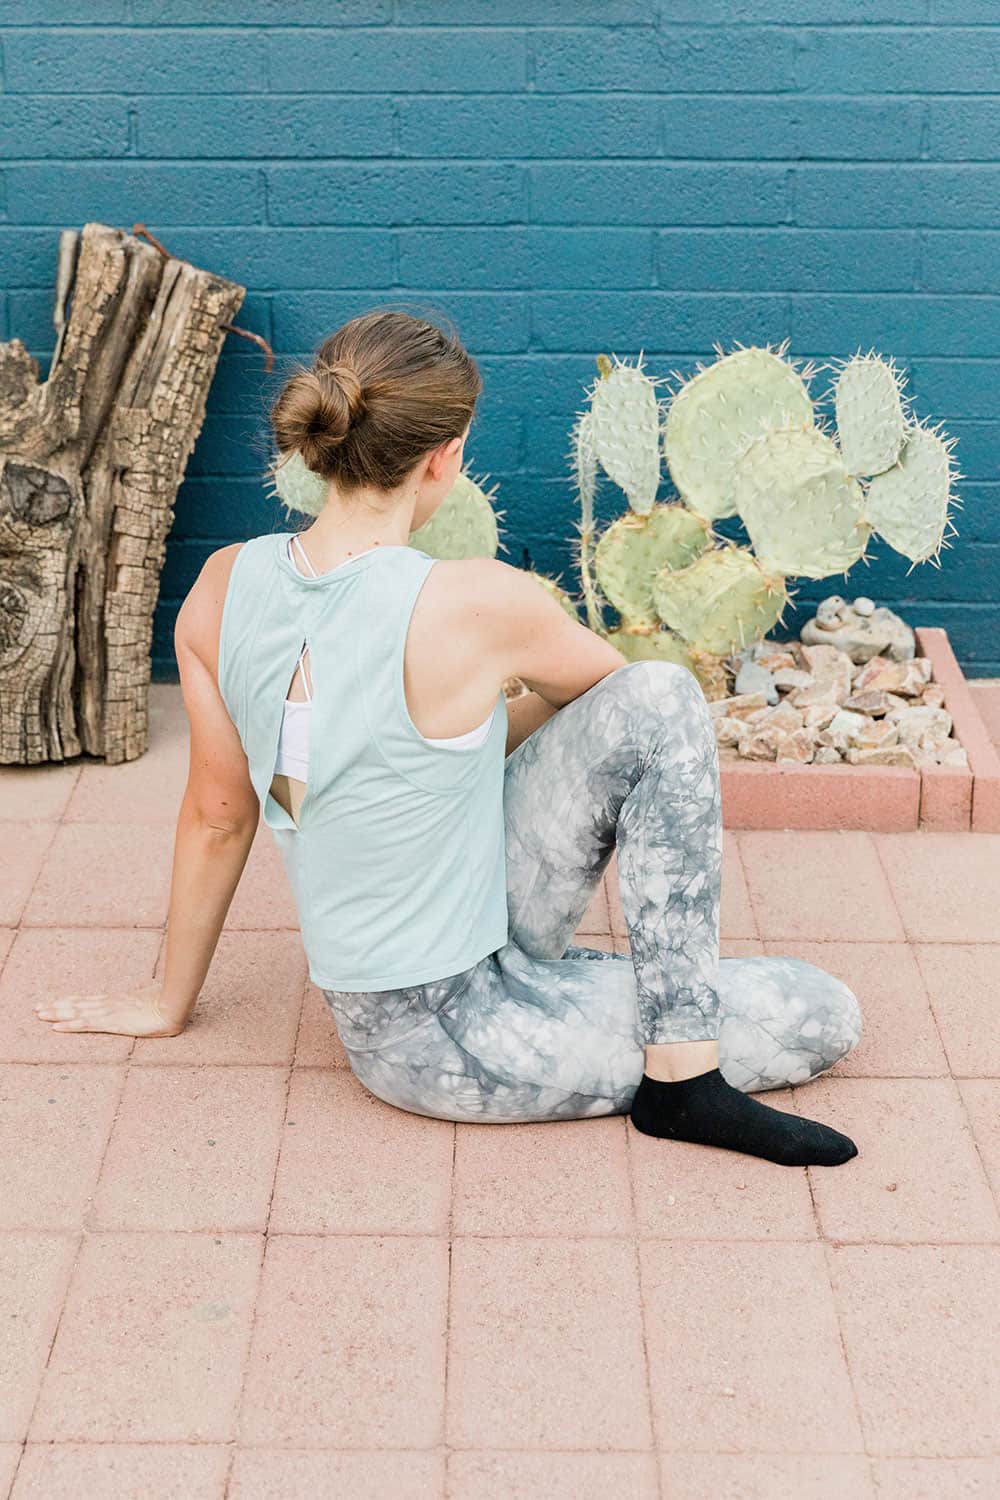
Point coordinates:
[[464, 524], [651, 645], [625, 430], [295, 485], [908, 504], [722, 602], [712, 416], [634, 549], [583, 460], [558, 594], [803, 511], [583, 456], [871, 419]]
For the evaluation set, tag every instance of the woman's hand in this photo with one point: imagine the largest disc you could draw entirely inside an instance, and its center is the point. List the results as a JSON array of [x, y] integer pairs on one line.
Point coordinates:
[[134, 1012]]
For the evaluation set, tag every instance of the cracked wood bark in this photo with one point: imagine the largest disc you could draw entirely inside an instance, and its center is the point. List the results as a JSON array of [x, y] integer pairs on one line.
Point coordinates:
[[90, 463]]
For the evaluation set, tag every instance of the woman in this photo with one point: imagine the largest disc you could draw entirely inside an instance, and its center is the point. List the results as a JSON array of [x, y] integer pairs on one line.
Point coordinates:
[[442, 845]]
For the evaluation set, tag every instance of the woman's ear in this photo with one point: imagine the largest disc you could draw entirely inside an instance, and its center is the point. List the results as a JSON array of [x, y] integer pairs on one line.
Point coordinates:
[[441, 456]]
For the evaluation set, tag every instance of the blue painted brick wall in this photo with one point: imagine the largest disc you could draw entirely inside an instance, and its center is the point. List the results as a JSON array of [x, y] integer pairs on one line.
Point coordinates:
[[561, 177]]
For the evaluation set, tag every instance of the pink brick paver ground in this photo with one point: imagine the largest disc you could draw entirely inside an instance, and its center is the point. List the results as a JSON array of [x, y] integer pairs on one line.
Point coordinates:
[[226, 1270]]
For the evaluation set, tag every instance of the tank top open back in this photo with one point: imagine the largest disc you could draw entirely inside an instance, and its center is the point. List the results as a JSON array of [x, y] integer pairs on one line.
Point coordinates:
[[293, 743], [397, 862]]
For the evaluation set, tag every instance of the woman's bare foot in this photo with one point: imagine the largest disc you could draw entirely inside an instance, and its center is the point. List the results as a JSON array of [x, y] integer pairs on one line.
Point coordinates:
[[134, 1012]]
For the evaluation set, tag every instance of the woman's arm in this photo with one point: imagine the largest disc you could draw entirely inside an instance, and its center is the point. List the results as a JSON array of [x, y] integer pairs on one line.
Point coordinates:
[[220, 811], [217, 820], [525, 633], [524, 715], [521, 631]]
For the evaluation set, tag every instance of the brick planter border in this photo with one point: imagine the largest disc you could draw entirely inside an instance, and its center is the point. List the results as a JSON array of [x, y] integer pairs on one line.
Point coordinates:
[[881, 799]]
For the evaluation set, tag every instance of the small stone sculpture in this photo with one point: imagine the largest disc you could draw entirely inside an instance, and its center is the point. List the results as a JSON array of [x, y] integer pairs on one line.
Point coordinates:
[[860, 629]]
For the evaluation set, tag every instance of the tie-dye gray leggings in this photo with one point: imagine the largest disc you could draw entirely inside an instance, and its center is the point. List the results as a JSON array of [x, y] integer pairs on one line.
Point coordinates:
[[540, 1030]]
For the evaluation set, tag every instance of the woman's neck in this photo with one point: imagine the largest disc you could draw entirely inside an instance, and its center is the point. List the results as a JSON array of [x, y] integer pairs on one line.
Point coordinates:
[[344, 528]]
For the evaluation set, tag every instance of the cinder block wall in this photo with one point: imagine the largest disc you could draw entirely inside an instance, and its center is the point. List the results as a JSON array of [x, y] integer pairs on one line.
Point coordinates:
[[561, 177]]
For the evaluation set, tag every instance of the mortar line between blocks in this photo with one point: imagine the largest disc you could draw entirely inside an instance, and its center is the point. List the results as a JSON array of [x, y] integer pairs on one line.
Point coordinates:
[[82, 1235], [994, 1191], [914, 948], [876, 844], [306, 1447], [293, 1061], [635, 1239], [446, 1445], [556, 1237], [55, 825], [264, 1240], [734, 834], [826, 1251]]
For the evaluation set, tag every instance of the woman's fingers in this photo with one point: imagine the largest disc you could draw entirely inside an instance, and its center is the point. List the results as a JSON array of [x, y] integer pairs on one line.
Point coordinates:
[[130, 1013], [70, 1006]]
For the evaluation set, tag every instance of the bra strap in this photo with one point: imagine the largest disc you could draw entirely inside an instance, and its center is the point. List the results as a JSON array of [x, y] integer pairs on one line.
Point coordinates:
[[301, 671], [304, 555]]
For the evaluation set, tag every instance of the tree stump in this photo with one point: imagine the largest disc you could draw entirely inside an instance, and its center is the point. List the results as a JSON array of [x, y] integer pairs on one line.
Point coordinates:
[[90, 463]]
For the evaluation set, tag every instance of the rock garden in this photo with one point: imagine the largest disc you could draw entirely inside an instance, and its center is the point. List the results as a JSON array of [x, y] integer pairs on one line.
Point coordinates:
[[861, 695]]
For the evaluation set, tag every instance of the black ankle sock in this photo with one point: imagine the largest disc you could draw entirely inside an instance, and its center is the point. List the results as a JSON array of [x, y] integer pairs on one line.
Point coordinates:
[[708, 1110]]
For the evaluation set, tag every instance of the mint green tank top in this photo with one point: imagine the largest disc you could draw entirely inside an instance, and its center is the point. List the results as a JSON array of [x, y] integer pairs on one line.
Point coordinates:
[[397, 865]]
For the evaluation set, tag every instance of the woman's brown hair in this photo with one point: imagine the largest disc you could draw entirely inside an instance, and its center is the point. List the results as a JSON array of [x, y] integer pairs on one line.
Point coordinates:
[[382, 390]]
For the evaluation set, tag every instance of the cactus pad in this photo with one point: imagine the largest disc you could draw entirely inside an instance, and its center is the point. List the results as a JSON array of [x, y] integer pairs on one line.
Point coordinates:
[[712, 416], [908, 504], [464, 524], [722, 602], [802, 510], [296, 486], [583, 457], [871, 422], [654, 645], [625, 431], [634, 549]]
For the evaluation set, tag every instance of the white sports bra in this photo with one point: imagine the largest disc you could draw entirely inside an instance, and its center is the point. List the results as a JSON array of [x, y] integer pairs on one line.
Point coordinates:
[[293, 743]]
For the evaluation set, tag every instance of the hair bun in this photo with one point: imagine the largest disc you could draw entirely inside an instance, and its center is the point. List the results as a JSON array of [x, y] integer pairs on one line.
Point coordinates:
[[319, 409], [344, 380], [378, 395]]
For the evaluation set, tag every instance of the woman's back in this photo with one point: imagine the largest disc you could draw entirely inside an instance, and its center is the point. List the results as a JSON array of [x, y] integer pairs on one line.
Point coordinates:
[[292, 760], [397, 860]]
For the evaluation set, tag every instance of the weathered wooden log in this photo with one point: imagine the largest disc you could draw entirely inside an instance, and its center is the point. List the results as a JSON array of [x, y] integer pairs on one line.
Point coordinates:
[[90, 463]]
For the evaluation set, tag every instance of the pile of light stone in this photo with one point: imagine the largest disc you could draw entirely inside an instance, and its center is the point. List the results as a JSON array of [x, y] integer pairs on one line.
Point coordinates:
[[811, 703]]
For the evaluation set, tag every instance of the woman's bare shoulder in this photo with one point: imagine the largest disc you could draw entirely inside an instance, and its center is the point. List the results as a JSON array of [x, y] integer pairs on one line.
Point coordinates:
[[200, 616], [487, 583], [496, 602]]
